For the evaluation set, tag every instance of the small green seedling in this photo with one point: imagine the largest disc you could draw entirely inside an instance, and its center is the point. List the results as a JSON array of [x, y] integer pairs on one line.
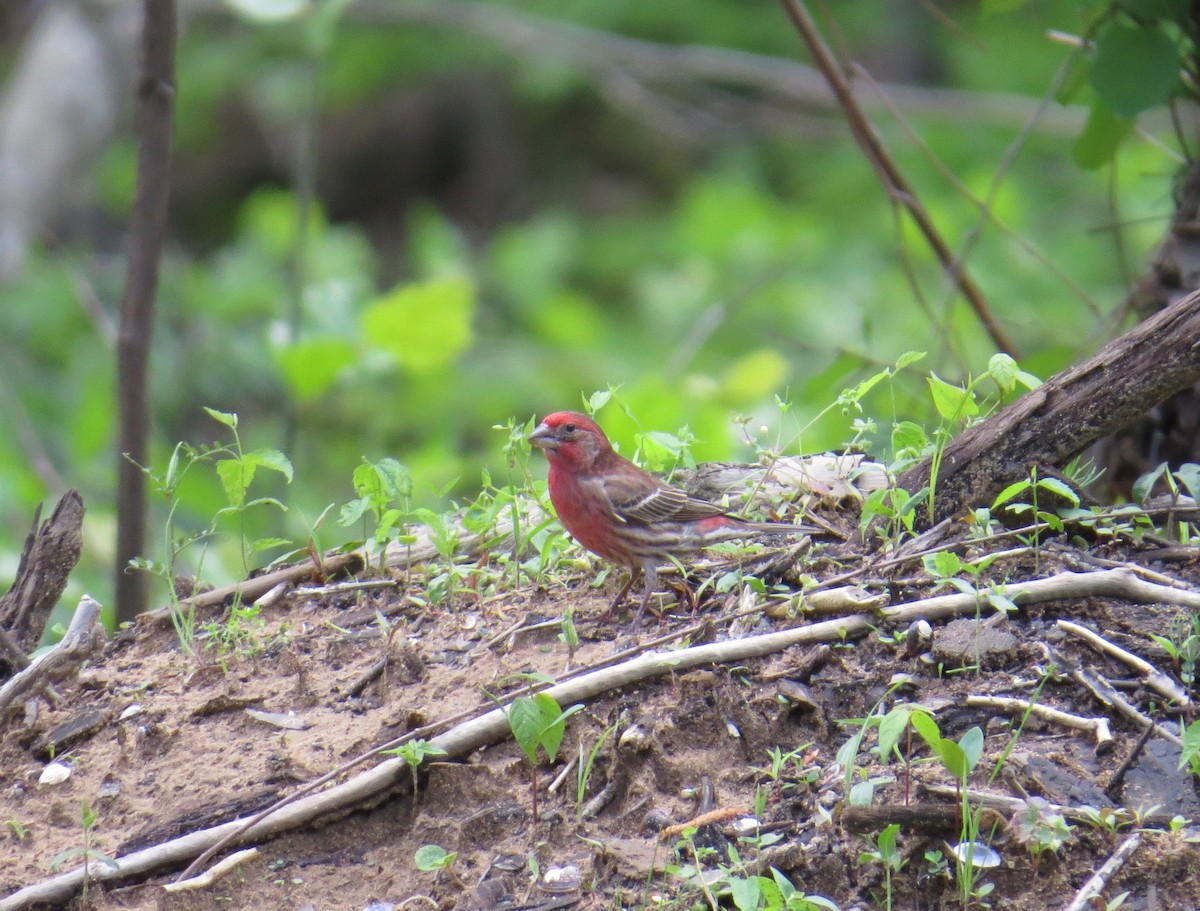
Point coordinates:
[[885, 853], [436, 859], [414, 753], [539, 722]]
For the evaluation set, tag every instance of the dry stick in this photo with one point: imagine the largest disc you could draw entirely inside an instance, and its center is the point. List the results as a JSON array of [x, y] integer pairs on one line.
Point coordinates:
[[1155, 679], [1106, 694], [84, 638], [1098, 727], [492, 726], [251, 589], [889, 173], [215, 872], [1006, 803], [1118, 776], [1093, 887]]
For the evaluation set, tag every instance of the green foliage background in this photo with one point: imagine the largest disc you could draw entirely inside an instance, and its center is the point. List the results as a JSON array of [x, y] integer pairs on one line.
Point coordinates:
[[702, 274]]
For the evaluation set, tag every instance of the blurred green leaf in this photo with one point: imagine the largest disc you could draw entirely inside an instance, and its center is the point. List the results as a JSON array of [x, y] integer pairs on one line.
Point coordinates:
[[425, 325], [1134, 68], [755, 376], [311, 367]]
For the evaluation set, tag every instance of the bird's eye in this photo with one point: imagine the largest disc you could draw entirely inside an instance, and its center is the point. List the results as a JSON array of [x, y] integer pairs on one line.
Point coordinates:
[[570, 428]]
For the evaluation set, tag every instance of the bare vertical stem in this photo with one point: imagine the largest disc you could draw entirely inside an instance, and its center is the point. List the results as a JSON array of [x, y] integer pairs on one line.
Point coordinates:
[[155, 112]]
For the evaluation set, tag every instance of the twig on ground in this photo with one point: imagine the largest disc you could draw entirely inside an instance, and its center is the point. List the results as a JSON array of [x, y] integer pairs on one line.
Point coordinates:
[[215, 872], [367, 677], [339, 588], [1106, 694], [1118, 776], [1094, 886], [1098, 727], [1154, 678], [1006, 803]]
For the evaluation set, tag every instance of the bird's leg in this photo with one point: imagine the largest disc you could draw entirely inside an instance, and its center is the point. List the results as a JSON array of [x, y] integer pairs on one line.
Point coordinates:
[[635, 573], [651, 573]]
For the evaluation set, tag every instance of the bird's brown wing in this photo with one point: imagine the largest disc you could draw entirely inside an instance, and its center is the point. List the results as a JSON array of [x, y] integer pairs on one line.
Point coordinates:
[[644, 500]]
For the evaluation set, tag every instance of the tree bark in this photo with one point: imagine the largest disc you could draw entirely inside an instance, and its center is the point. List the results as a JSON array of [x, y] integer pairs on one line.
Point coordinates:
[[50, 554], [1061, 418], [156, 102]]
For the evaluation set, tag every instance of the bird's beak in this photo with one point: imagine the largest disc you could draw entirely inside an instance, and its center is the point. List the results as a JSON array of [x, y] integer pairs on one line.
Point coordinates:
[[543, 437]]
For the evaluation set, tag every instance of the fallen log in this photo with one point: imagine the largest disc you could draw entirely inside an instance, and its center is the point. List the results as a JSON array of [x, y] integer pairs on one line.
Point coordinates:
[[1055, 422]]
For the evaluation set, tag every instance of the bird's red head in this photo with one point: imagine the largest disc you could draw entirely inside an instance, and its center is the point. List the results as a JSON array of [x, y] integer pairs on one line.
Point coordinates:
[[570, 439]]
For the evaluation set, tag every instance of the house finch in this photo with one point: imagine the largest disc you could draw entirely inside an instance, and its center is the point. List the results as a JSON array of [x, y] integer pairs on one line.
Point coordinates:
[[624, 514]]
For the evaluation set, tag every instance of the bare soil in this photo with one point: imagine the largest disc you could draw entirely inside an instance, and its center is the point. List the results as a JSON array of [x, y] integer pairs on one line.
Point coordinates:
[[170, 747]]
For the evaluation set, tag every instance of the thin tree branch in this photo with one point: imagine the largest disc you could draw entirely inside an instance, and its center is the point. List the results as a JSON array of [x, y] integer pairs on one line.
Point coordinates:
[[889, 172]]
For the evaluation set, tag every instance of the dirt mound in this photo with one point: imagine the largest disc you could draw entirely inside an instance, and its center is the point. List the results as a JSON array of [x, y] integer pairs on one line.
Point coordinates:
[[743, 744]]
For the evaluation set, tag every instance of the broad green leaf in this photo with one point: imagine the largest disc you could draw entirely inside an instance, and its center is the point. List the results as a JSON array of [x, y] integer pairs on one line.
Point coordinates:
[[953, 758], [433, 857], [943, 564], [924, 725], [353, 511], [972, 746], [908, 358], [908, 437], [1009, 492], [272, 459], [538, 721], [745, 892], [236, 476], [1135, 68], [862, 794], [597, 400], [227, 418], [265, 501], [394, 477], [1054, 485], [1158, 10], [848, 751], [1101, 136], [1075, 80], [1144, 485], [1191, 744], [887, 840], [1028, 380], [1003, 370], [424, 325], [891, 728], [1189, 477], [952, 402], [261, 544]]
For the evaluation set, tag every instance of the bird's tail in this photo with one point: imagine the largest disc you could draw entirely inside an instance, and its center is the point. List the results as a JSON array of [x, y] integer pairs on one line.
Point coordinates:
[[781, 528]]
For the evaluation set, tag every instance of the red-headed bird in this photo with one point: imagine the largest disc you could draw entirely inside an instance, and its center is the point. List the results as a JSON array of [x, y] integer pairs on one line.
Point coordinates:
[[624, 514]]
